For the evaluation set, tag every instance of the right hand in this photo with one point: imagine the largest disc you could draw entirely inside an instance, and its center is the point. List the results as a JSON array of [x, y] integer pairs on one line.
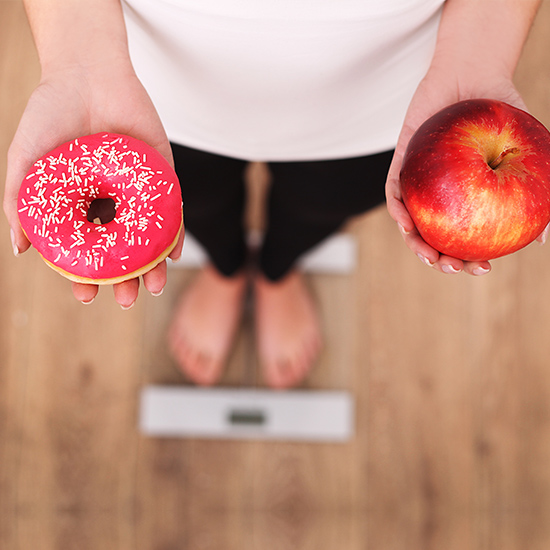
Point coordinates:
[[70, 103]]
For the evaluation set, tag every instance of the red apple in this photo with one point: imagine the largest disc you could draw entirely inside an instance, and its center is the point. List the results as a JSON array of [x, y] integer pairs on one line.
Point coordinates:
[[476, 179]]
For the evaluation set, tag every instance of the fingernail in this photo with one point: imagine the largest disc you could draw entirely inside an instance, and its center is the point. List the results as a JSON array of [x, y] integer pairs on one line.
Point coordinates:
[[447, 268], [425, 260], [14, 244], [544, 235], [126, 308], [87, 303], [157, 293], [402, 229], [176, 260], [480, 271]]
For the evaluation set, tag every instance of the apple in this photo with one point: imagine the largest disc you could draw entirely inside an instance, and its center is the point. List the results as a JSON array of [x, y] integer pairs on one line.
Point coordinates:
[[476, 179]]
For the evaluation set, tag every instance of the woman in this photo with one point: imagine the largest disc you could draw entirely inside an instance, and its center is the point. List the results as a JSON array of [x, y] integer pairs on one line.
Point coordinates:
[[322, 91]]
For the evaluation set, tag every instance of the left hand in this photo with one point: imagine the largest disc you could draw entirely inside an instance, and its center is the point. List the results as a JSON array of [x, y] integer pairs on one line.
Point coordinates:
[[436, 91]]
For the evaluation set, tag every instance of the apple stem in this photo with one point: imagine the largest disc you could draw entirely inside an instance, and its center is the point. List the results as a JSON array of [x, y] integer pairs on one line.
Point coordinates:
[[496, 161]]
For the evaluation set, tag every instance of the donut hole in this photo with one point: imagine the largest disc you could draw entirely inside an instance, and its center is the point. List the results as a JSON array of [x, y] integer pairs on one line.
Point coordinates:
[[101, 211]]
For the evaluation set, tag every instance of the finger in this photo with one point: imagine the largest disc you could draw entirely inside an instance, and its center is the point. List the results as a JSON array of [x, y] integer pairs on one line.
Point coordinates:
[[19, 241], [126, 293], [427, 254], [477, 268], [544, 235], [449, 265], [19, 163], [393, 186], [400, 214], [441, 262], [155, 279], [397, 161], [85, 293], [421, 248], [394, 199], [175, 255]]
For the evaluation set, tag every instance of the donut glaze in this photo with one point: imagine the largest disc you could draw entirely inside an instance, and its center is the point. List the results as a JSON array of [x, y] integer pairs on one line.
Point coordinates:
[[56, 195]]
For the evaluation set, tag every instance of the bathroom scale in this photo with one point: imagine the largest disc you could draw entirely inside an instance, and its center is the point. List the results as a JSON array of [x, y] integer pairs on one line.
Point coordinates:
[[220, 413]]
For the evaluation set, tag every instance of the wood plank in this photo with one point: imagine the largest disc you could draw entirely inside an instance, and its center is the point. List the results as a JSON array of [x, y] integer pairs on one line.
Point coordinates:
[[78, 459], [406, 528], [16, 293], [58, 529], [419, 378]]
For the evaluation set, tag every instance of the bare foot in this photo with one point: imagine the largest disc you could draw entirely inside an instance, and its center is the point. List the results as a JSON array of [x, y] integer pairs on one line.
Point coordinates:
[[288, 331], [204, 324]]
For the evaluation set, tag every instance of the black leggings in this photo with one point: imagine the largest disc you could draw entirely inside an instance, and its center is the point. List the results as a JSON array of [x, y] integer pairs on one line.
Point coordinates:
[[307, 202]]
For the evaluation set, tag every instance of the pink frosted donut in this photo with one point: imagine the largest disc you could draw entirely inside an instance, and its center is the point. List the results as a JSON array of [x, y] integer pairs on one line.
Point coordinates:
[[102, 209]]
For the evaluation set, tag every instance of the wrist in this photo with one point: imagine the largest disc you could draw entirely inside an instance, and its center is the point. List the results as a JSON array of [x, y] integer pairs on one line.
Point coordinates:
[[75, 33], [482, 38]]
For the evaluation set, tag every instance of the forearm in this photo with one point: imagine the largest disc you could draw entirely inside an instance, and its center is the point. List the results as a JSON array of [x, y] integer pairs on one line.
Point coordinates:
[[83, 33], [483, 37]]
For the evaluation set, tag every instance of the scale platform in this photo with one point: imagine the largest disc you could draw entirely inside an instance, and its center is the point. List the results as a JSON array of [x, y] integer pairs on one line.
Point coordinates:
[[336, 254], [190, 412]]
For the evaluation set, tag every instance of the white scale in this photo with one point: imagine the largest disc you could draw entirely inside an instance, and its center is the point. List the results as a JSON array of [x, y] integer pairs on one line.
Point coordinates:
[[217, 413], [220, 413]]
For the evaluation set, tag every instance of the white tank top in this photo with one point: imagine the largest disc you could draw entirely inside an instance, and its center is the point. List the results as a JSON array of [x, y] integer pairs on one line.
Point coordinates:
[[282, 79]]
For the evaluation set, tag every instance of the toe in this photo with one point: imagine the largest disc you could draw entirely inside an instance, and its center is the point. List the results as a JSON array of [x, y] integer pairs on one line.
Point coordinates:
[[284, 373], [207, 370], [198, 366]]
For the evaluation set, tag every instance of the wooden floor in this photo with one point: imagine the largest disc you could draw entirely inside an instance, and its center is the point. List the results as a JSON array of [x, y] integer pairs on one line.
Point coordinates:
[[451, 375]]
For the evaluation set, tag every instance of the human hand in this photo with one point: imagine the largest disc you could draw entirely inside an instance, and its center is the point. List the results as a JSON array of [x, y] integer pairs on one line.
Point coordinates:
[[437, 91], [70, 103], [471, 60]]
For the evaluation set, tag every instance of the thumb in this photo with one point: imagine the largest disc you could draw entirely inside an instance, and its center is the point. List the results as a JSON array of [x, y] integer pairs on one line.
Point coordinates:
[[19, 163]]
